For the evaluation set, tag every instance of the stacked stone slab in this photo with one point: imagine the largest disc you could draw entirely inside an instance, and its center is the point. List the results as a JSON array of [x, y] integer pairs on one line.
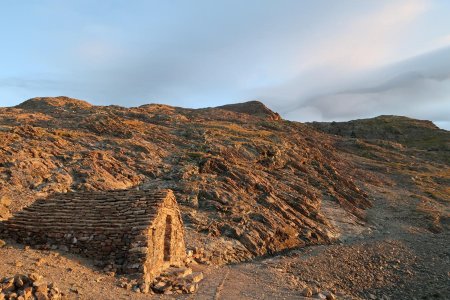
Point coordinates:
[[139, 232]]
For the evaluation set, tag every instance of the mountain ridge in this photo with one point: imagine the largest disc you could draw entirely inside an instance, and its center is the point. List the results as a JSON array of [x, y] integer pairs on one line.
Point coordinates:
[[248, 182]]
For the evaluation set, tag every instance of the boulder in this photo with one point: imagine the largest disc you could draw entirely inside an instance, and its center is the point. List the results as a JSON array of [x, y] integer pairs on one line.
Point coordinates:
[[195, 277], [307, 292], [5, 201]]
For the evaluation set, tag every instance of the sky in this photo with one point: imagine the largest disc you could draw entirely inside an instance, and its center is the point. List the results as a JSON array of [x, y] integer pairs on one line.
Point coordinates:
[[308, 60]]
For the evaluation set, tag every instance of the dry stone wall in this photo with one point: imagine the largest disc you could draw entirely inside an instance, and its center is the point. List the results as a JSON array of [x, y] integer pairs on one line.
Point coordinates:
[[165, 241], [112, 227]]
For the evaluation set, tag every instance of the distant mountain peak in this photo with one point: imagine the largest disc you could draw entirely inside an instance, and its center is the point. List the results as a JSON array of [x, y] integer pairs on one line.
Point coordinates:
[[254, 107]]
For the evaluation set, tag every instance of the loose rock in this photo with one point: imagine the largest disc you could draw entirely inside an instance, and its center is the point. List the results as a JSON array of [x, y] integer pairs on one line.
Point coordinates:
[[28, 287], [307, 292]]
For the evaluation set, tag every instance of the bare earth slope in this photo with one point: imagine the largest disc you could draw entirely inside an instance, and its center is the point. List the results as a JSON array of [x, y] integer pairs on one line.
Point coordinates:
[[249, 184]]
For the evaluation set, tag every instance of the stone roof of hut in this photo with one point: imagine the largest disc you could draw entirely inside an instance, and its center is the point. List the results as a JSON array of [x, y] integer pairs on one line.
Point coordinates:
[[95, 210]]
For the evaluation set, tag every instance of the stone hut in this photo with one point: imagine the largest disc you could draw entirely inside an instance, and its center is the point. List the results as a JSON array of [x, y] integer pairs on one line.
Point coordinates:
[[137, 232]]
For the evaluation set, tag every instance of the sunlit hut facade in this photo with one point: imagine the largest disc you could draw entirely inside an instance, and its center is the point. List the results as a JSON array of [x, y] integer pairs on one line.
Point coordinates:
[[139, 233]]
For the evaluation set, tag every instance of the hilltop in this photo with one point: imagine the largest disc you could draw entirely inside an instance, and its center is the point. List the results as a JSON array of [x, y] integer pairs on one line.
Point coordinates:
[[46, 103], [255, 108], [239, 172], [249, 183], [421, 134]]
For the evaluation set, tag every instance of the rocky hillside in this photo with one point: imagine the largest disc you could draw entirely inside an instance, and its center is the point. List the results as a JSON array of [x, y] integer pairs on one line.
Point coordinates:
[[254, 108], [421, 134], [405, 154], [248, 182]]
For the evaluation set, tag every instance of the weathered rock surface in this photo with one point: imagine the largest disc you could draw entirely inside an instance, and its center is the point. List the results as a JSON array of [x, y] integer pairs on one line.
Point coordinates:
[[248, 182], [33, 286], [175, 280], [422, 134], [237, 173], [5, 202], [254, 108]]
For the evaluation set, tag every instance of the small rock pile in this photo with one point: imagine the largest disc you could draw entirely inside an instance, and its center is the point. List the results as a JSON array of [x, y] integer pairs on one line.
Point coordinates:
[[175, 280], [23, 287], [314, 292], [197, 255]]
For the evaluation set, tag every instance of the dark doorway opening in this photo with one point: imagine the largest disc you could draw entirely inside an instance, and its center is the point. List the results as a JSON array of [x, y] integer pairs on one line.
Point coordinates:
[[168, 238]]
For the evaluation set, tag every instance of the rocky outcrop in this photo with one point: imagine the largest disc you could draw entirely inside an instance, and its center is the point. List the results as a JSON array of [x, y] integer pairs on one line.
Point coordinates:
[[254, 108], [50, 103], [5, 202], [422, 134], [248, 183]]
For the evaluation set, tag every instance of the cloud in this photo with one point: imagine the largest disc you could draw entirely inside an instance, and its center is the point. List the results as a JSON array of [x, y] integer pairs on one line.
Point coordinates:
[[239, 54], [318, 60], [440, 42], [443, 124], [29, 83], [345, 53], [418, 87], [367, 40]]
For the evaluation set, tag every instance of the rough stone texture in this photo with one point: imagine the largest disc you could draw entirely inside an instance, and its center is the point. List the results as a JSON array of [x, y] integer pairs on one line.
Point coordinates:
[[5, 201], [254, 108], [23, 287], [138, 232], [248, 183], [404, 131]]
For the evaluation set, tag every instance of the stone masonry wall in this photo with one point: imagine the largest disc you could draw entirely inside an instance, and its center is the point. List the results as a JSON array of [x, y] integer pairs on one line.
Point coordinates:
[[112, 227], [165, 241]]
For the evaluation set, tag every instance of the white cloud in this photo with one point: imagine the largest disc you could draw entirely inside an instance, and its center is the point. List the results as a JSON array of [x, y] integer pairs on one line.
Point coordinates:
[[97, 45], [334, 57], [441, 42], [306, 114], [443, 124], [366, 41], [418, 88]]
